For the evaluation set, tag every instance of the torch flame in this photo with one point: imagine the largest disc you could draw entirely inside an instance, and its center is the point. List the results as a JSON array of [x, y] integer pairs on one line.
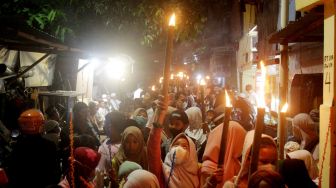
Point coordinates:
[[202, 82], [227, 100], [180, 74], [261, 102], [263, 68], [153, 87], [284, 108], [172, 20], [172, 76]]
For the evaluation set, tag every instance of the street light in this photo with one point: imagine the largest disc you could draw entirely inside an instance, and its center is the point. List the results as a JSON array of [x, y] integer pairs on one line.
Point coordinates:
[[117, 67]]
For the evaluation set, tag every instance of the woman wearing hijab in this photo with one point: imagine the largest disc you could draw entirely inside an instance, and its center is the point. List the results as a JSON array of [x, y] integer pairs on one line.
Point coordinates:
[[195, 130], [305, 131], [180, 168], [141, 179], [132, 149], [140, 116], [267, 159], [234, 146]]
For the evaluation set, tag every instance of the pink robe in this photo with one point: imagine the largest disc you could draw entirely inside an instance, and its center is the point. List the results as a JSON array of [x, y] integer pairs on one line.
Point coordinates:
[[234, 146]]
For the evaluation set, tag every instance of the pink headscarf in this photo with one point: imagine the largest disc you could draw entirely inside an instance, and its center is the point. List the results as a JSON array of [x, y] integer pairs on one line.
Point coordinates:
[[185, 174], [234, 146]]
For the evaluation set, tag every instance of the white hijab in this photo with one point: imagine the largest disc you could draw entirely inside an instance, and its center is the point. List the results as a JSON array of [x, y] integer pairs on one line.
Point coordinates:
[[194, 129], [195, 118], [185, 174]]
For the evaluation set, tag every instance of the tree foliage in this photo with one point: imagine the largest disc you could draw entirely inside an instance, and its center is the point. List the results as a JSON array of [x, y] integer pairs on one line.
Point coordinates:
[[145, 18]]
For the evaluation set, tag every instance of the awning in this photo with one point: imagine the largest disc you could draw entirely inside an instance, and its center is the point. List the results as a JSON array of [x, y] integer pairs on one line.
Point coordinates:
[[309, 28]]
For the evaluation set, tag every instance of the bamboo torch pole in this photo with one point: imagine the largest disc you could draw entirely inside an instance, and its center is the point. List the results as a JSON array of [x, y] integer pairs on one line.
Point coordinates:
[[227, 117], [166, 71]]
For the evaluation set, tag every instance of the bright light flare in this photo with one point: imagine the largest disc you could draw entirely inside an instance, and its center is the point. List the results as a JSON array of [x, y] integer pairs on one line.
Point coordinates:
[[284, 108], [161, 80], [153, 88], [116, 68], [207, 77], [172, 20], [94, 61], [227, 100]]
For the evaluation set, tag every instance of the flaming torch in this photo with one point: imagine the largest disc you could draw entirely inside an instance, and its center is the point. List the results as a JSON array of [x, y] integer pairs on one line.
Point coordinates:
[[260, 122], [227, 118], [166, 72]]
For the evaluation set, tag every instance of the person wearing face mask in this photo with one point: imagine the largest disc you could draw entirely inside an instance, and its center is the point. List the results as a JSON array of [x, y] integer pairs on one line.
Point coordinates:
[[178, 123], [180, 167], [140, 116], [267, 159]]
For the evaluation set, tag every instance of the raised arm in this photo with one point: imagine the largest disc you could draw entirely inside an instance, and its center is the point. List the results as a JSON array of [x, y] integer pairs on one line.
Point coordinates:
[[154, 145]]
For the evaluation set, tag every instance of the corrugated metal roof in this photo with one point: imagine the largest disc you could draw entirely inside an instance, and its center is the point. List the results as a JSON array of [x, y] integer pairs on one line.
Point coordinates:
[[309, 28]]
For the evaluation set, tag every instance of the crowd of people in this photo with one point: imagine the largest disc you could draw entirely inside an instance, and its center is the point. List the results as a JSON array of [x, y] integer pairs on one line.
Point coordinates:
[[111, 147]]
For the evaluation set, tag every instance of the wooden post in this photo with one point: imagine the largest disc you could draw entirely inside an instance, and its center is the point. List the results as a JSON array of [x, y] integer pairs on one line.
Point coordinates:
[[283, 87], [327, 143]]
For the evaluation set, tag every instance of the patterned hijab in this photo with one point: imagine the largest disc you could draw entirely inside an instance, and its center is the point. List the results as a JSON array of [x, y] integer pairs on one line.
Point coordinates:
[[141, 156]]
